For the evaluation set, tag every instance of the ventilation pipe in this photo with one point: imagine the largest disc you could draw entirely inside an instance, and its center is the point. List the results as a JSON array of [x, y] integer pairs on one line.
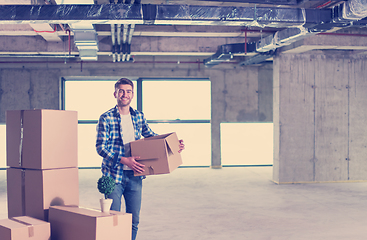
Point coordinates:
[[113, 39], [121, 47], [343, 15], [124, 37], [132, 28], [85, 36], [355, 9], [118, 44]]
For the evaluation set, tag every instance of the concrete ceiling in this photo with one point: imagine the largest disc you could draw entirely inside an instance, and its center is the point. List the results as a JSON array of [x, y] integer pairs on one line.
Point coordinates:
[[34, 28]]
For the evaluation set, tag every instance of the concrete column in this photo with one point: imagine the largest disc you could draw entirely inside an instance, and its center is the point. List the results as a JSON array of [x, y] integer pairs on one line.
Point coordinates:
[[28, 89], [265, 93], [313, 112]]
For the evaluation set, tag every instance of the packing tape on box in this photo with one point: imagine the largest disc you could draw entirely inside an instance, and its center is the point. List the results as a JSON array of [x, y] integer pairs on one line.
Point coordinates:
[[115, 218], [30, 226], [21, 139]]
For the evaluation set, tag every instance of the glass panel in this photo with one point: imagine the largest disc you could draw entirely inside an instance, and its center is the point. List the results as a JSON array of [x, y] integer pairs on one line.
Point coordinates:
[[197, 152], [197, 149], [2, 146], [91, 98], [87, 154], [247, 143], [176, 100]]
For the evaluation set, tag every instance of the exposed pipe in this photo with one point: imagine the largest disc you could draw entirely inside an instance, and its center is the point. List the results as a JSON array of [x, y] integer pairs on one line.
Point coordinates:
[[323, 5], [62, 27], [245, 42], [124, 37], [118, 44], [132, 28], [69, 40], [46, 31], [113, 42], [344, 34], [77, 62]]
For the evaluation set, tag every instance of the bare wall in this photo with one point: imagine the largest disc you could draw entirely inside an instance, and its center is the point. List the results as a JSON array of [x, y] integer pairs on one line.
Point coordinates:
[[319, 117], [239, 94]]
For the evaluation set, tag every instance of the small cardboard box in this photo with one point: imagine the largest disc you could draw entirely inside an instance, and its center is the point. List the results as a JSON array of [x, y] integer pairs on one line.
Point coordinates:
[[23, 228], [42, 139], [71, 222], [31, 192], [159, 154]]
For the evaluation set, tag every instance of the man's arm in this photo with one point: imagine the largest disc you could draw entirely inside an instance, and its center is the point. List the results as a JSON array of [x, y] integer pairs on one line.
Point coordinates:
[[146, 130], [103, 135]]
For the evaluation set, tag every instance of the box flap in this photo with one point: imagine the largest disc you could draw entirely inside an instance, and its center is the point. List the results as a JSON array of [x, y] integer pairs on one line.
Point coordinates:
[[173, 145], [162, 136]]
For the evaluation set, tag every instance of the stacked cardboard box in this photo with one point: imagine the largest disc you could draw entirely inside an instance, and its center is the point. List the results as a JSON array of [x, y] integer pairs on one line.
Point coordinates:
[[43, 161], [42, 179], [68, 222], [23, 228]]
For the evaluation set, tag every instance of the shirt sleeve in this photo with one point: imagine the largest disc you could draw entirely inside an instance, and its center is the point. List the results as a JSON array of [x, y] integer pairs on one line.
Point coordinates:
[[102, 144], [146, 130]]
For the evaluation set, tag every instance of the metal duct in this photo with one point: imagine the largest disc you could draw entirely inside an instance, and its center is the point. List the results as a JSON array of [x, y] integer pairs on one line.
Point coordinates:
[[85, 36], [355, 9], [274, 2], [113, 40], [342, 16], [164, 14], [132, 28], [118, 43], [225, 52], [282, 38], [259, 58], [123, 45], [85, 39]]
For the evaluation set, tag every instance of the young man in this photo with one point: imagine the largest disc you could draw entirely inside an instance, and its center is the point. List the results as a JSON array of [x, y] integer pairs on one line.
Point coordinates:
[[115, 130]]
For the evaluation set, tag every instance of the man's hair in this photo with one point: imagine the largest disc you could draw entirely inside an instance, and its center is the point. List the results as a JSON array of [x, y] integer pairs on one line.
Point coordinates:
[[124, 81]]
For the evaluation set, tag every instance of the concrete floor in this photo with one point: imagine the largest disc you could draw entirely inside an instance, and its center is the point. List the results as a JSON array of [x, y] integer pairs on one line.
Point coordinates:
[[237, 203]]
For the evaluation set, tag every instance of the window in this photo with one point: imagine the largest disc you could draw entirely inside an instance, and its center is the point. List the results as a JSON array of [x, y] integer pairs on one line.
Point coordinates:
[[247, 143], [182, 106]]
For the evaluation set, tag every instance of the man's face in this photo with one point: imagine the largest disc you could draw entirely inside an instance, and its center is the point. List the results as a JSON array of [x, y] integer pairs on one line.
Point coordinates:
[[124, 94]]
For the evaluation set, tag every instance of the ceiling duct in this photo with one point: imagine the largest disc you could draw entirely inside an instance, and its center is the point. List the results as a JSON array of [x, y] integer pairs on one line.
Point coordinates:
[[355, 9], [164, 14], [85, 36], [85, 39], [342, 15], [275, 2], [282, 38], [259, 58], [225, 53]]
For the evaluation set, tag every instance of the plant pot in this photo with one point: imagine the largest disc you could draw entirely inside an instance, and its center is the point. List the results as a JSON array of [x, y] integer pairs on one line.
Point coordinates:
[[105, 205]]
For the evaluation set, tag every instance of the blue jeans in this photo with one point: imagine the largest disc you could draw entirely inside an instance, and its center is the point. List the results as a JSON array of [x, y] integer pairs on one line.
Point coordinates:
[[131, 190]]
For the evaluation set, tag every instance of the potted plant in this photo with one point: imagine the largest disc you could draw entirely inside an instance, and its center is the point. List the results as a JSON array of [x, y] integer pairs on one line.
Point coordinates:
[[106, 185]]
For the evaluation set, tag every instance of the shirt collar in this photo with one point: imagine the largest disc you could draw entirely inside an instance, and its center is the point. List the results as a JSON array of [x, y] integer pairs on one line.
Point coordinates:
[[117, 114]]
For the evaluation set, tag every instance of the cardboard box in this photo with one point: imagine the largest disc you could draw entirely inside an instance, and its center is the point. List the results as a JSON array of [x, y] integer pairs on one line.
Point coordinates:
[[76, 223], [49, 139], [159, 154], [31, 192], [23, 228]]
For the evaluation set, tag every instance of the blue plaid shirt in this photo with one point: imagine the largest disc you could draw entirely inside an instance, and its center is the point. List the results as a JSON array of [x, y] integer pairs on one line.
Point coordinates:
[[109, 143]]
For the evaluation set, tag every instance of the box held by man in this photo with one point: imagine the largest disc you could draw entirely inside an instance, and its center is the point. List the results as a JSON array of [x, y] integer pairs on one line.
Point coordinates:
[[159, 154]]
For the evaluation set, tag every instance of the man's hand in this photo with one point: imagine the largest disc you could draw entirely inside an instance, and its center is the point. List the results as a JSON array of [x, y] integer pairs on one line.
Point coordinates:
[[133, 164], [182, 146]]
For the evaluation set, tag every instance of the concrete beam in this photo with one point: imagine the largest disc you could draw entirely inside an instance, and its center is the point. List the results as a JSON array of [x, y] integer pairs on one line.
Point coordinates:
[[337, 41]]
